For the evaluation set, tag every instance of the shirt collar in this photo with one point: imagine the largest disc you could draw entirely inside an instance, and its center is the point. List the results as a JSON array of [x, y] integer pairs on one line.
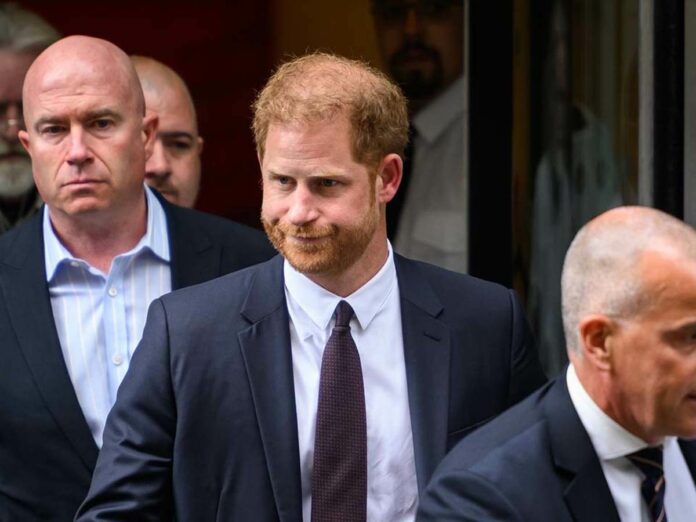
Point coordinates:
[[609, 438], [318, 304], [156, 238], [436, 117]]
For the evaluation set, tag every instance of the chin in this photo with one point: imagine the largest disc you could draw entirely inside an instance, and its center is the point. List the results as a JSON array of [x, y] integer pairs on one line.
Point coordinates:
[[86, 206]]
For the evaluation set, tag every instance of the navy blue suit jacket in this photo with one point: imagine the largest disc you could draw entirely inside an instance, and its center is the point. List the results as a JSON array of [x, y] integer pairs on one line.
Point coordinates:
[[47, 453], [204, 426], [533, 463]]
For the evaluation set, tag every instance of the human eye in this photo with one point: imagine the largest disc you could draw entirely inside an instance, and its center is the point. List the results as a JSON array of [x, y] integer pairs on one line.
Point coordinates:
[[281, 182], [390, 12], [101, 124], [51, 130], [178, 146], [684, 338], [326, 185]]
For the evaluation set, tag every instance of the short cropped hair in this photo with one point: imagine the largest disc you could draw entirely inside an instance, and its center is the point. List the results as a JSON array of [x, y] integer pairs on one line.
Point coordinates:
[[600, 273], [24, 31], [320, 86]]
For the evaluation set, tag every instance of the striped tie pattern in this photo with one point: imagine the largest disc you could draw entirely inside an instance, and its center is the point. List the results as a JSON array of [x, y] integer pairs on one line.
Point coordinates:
[[339, 475], [649, 462]]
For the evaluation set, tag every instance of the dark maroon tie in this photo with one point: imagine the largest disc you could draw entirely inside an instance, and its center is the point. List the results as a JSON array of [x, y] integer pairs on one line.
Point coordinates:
[[339, 477]]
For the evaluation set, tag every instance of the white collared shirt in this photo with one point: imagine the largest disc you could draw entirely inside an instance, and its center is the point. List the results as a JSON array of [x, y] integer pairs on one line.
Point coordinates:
[[433, 224], [612, 443], [100, 317], [392, 489]]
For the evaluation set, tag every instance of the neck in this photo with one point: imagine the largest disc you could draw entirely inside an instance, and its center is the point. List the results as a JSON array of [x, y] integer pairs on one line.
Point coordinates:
[[599, 388], [97, 237]]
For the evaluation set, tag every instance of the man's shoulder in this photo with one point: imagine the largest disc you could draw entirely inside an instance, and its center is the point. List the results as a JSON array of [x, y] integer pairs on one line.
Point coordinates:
[[520, 431], [215, 225], [241, 245], [229, 291], [17, 241], [449, 285], [501, 470]]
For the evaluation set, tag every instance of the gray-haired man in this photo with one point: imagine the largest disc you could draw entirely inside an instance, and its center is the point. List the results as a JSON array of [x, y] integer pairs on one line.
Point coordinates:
[[23, 35]]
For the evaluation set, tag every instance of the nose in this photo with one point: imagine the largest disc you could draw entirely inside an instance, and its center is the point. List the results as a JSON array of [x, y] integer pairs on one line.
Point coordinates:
[[9, 132], [12, 125], [158, 165], [413, 26], [79, 153], [303, 208]]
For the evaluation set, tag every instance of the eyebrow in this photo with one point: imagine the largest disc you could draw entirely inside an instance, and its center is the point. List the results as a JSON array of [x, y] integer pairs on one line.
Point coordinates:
[[91, 115]]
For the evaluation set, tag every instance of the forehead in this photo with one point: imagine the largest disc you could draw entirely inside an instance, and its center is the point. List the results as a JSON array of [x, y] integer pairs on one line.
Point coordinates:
[[383, 7], [173, 108], [13, 68], [670, 280], [67, 87], [314, 146], [299, 137]]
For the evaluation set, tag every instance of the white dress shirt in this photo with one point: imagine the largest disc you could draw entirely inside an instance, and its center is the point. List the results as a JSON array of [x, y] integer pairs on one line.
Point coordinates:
[[433, 224], [100, 317], [612, 443], [392, 490]]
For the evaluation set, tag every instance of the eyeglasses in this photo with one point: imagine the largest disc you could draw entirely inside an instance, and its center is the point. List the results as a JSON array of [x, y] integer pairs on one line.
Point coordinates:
[[6, 121], [396, 11]]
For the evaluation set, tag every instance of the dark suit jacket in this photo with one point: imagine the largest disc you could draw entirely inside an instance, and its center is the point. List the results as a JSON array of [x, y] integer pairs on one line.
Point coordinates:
[[47, 453], [204, 426], [533, 463]]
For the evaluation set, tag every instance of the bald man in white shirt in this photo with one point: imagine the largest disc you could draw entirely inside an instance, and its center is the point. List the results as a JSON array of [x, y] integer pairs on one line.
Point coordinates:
[[609, 439]]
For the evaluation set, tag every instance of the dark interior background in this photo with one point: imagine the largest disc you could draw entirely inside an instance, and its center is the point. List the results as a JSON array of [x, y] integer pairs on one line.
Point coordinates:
[[222, 50]]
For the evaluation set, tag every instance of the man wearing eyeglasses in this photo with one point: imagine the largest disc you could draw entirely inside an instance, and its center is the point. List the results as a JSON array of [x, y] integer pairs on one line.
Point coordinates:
[[23, 35], [422, 45]]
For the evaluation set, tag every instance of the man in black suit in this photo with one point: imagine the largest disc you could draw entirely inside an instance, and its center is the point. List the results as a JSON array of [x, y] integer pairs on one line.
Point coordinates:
[[608, 440], [243, 403], [76, 280]]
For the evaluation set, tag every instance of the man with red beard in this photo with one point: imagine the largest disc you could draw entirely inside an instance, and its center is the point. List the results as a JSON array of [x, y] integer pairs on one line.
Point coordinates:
[[250, 399], [23, 35]]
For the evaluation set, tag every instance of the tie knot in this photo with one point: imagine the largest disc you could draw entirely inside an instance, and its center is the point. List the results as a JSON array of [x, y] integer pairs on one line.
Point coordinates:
[[344, 313], [649, 461]]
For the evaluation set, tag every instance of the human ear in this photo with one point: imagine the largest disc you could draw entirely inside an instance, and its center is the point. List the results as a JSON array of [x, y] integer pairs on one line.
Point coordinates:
[[597, 339], [389, 175], [150, 125]]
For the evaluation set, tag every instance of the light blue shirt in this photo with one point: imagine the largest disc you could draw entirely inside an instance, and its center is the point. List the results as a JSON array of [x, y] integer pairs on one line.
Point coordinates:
[[100, 317]]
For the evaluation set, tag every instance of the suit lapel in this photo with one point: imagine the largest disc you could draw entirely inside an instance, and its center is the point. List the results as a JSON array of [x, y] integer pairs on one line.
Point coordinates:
[[194, 256], [427, 356], [688, 449], [24, 287], [576, 459], [266, 350]]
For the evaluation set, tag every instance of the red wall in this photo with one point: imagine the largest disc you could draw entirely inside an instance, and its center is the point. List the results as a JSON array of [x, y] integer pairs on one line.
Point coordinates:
[[223, 51]]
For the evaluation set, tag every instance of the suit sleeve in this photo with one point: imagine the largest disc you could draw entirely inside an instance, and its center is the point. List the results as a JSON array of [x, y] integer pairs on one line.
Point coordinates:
[[132, 479], [462, 496], [526, 372]]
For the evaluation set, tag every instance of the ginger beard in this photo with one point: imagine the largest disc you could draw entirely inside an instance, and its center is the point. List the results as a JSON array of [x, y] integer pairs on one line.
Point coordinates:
[[326, 248]]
